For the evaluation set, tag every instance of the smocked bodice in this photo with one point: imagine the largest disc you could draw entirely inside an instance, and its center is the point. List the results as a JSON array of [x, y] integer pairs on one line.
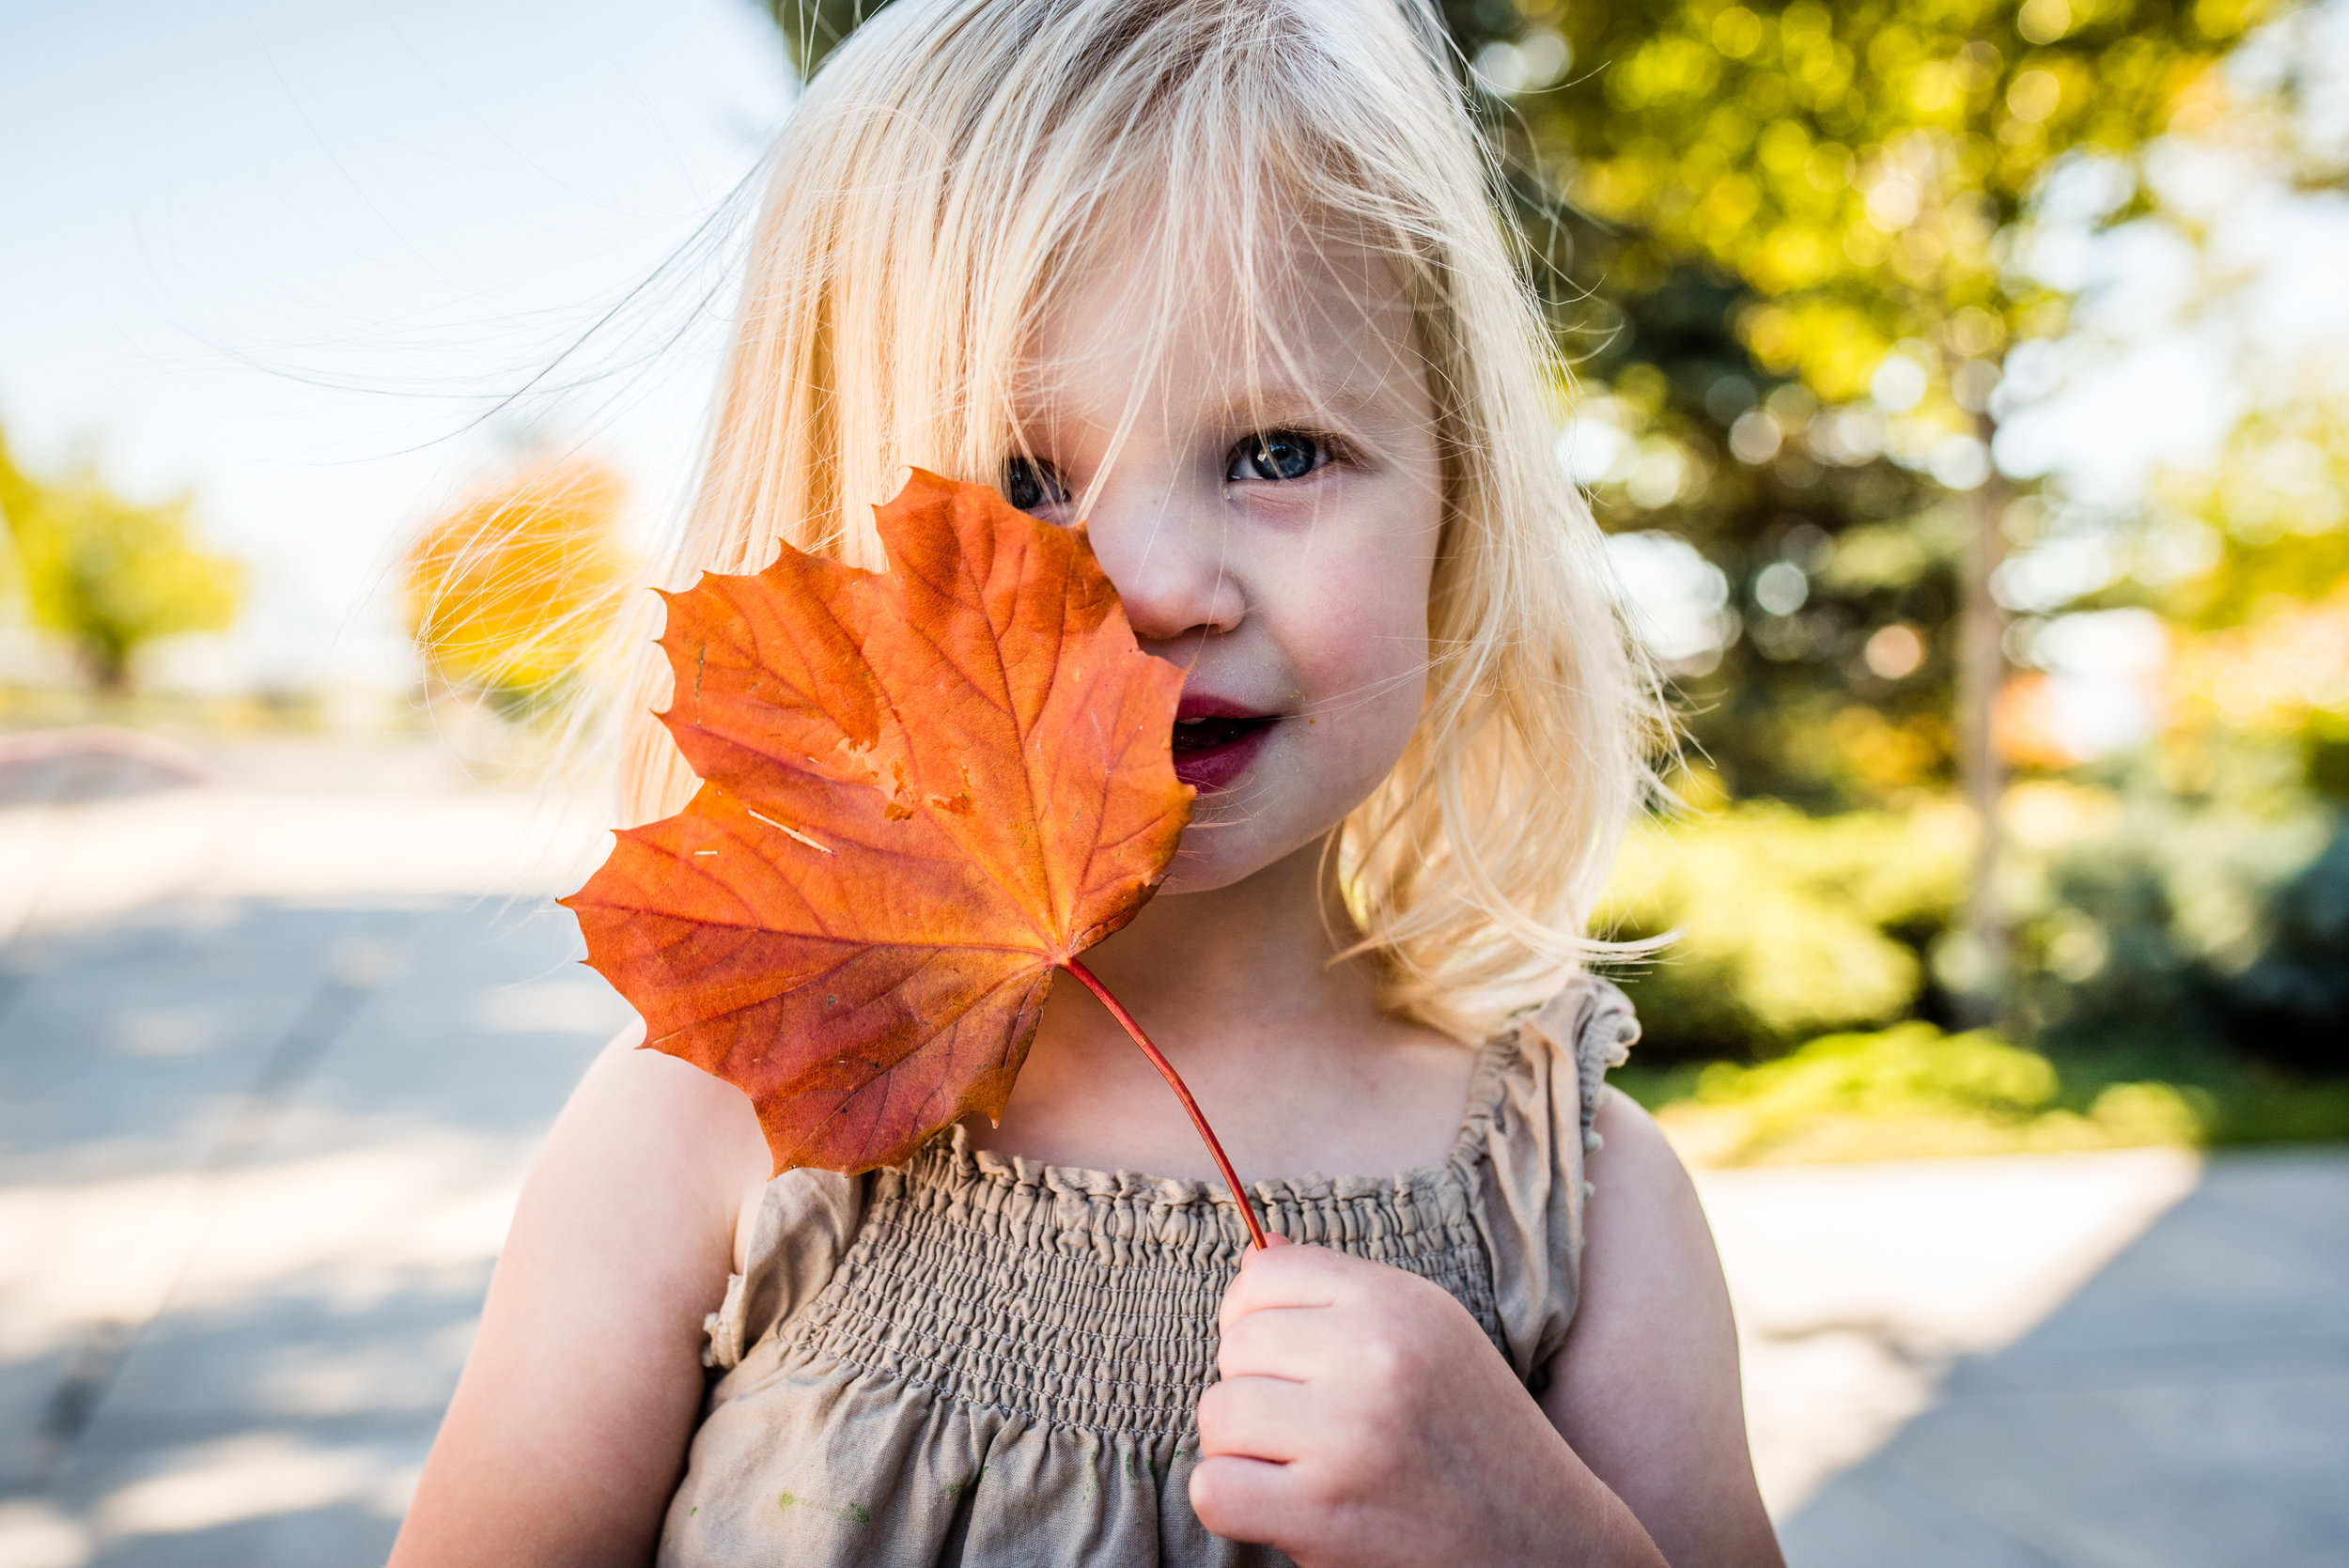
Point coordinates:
[[1075, 1299], [973, 1358]]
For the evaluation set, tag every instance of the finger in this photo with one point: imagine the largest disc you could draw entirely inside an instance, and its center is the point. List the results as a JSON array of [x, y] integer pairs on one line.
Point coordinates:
[[1243, 1499], [1255, 1417], [1299, 1344], [1293, 1276]]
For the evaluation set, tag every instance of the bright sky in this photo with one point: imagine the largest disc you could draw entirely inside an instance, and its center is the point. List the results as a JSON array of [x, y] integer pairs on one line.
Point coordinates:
[[283, 253]]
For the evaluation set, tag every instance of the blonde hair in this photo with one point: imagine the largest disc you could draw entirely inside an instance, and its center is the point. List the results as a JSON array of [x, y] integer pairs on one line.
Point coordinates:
[[948, 168]]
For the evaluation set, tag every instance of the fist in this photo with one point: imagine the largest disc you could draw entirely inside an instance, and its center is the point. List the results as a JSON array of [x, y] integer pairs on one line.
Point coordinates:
[[1363, 1418]]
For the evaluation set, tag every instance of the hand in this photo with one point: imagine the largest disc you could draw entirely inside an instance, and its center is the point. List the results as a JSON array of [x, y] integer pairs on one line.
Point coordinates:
[[1364, 1419]]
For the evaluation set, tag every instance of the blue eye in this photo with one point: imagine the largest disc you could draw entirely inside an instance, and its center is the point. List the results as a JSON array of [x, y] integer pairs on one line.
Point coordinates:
[[1276, 456], [1029, 484]]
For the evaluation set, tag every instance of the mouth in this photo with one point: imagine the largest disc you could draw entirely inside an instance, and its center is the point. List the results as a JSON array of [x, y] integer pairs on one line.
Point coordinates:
[[1215, 741]]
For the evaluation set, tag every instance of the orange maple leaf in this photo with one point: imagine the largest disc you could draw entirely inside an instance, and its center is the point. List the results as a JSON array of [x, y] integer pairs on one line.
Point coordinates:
[[924, 790]]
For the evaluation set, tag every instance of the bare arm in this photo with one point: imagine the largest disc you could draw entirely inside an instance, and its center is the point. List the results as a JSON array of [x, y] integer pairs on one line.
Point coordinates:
[[1646, 1390], [568, 1429]]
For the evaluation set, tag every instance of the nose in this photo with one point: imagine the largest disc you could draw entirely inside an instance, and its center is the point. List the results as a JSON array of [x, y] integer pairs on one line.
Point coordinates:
[[1168, 552]]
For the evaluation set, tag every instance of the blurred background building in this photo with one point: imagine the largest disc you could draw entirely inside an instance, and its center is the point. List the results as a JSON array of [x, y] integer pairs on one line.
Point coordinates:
[[1963, 387]]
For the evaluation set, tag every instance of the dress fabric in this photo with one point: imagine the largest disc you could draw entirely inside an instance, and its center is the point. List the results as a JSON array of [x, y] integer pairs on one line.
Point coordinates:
[[976, 1359]]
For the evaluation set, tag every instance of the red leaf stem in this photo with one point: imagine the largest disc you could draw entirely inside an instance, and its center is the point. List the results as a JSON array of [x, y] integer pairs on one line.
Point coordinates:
[[1174, 1081]]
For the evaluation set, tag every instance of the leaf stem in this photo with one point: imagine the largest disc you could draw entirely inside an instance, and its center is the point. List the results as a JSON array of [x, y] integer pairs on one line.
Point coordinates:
[[1174, 1081]]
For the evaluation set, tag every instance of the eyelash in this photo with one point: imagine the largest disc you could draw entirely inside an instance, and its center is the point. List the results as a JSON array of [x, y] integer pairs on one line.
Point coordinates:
[[1024, 474], [1032, 483], [1326, 450]]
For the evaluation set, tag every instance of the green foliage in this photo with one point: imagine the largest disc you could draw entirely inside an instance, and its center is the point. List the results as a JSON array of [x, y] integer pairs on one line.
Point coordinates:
[[1858, 169], [1895, 1071], [1847, 189], [1827, 542], [109, 574], [2184, 926], [1788, 235], [2266, 523], [1784, 926], [1912, 1090]]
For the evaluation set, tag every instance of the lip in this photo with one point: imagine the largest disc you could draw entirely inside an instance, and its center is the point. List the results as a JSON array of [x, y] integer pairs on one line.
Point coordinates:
[[1210, 767], [1205, 705]]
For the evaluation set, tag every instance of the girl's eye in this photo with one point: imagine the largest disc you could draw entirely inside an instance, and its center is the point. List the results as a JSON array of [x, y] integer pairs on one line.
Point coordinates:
[[1276, 456], [1030, 485]]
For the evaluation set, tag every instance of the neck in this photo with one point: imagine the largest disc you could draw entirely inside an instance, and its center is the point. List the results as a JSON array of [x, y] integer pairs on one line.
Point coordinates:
[[1213, 974], [1287, 1052]]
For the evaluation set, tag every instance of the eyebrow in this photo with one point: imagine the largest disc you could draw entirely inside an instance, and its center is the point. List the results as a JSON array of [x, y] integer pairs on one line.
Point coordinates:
[[1279, 398], [1360, 402]]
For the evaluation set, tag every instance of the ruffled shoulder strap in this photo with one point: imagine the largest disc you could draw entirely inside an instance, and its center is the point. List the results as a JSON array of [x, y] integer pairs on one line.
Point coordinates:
[[804, 1223], [1529, 1136]]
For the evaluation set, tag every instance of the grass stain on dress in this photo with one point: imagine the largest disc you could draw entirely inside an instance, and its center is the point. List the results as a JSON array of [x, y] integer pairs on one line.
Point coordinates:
[[851, 1513]]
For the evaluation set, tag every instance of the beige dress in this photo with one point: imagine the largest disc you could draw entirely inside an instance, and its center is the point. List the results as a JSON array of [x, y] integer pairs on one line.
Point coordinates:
[[973, 1359]]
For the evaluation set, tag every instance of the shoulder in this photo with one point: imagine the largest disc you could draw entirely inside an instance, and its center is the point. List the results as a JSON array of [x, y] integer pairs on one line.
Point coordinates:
[[1646, 1388], [651, 1151], [1639, 1199], [640, 1117]]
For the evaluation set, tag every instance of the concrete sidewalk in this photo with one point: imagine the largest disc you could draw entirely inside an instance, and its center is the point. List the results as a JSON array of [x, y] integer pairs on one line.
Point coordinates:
[[262, 1122], [256, 1162], [2188, 1405], [1860, 1289]]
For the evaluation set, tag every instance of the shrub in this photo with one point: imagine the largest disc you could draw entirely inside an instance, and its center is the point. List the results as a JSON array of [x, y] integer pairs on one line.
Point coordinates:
[[1787, 925], [1912, 1090], [2196, 928]]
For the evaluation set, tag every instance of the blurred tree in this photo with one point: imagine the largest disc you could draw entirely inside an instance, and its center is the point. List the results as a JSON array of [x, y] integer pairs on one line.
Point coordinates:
[[1856, 181], [2266, 527], [16, 500], [513, 592], [17, 489], [108, 575], [2237, 879], [1825, 680]]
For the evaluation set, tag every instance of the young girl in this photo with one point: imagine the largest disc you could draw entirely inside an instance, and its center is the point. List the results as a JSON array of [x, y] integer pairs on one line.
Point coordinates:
[[1219, 278]]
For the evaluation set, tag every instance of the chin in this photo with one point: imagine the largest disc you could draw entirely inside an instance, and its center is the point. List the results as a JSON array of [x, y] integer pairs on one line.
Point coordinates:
[[1207, 871], [1221, 854]]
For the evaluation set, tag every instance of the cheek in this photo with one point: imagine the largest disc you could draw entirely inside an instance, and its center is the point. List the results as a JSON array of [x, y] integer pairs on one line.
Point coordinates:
[[1362, 653]]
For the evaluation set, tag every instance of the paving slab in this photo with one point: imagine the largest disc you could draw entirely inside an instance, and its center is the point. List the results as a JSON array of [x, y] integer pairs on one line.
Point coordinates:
[[256, 1159], [1860, 1287], [2188, 1405]]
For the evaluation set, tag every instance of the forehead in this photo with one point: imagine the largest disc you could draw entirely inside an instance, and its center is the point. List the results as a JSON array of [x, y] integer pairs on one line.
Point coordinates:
[[1216, 325]]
